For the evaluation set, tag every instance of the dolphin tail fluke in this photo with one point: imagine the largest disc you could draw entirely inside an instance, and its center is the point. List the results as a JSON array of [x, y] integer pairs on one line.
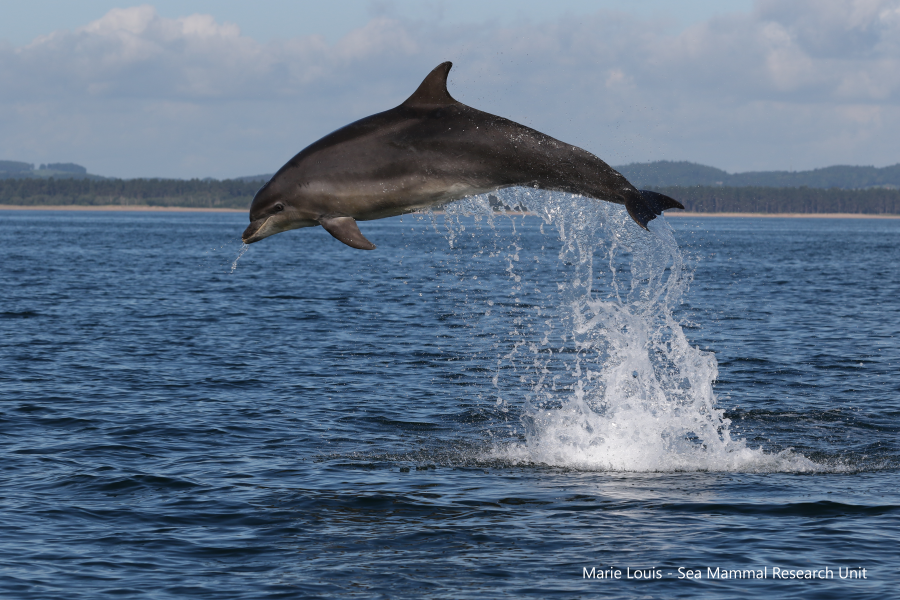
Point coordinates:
[[648, 205], [346, 230]]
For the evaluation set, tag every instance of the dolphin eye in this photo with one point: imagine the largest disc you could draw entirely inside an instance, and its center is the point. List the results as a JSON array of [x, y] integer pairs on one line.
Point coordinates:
[[278, 208]]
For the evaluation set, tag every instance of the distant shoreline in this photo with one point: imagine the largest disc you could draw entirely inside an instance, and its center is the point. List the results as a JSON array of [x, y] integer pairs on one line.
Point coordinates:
[[134, 208], [783, 215], [120, 207]]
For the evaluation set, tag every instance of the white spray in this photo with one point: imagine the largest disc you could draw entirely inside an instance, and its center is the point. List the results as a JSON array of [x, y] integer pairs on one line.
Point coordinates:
[[615, 383]]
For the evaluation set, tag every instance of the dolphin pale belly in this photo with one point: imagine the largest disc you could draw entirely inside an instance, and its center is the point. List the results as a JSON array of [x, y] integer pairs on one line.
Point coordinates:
[[428, 151]]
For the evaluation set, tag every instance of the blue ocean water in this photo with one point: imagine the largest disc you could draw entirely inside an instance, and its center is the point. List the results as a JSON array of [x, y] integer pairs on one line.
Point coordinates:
[[485, 406]]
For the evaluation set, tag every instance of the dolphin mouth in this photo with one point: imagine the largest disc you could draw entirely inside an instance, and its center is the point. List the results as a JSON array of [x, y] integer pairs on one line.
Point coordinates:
[[257, 230]]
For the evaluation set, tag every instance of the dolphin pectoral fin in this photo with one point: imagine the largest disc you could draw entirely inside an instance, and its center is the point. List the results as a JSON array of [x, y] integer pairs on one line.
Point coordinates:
[[346, 230], [648, 205]]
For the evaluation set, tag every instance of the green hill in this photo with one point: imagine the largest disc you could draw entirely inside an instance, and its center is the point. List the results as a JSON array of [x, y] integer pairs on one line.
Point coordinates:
[[12, 169], [682, 173], [238, 194], [862, 190], [804, 200]]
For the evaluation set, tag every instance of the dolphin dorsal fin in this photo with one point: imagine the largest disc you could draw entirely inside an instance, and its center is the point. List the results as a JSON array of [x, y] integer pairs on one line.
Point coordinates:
[[433, 90]]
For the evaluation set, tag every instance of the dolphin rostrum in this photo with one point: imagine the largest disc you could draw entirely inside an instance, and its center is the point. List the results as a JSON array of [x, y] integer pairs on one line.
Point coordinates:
[[428, 151]]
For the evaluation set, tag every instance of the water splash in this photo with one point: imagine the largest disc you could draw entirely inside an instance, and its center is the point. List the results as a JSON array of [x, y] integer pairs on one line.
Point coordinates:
[[244, 248], [614, 383]]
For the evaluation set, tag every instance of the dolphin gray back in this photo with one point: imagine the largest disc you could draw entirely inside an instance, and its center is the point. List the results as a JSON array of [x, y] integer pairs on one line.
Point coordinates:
[[429, 150]]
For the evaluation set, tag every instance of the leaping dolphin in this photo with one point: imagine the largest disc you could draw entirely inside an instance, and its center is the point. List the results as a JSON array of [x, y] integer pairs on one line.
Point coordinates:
[[428, 151]]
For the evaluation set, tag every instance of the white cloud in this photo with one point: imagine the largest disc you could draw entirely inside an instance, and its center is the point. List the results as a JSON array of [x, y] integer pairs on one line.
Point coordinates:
[[803, 84]]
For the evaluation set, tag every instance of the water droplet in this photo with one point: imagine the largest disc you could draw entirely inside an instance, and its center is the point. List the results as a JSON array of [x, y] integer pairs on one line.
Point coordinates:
[[244, 248]]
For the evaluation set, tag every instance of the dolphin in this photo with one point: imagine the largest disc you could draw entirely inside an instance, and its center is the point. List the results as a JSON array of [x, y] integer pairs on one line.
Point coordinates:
[[428, 151]]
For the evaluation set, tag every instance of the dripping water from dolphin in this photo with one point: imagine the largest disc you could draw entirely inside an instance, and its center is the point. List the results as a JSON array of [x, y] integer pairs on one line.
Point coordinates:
[[244, 248]]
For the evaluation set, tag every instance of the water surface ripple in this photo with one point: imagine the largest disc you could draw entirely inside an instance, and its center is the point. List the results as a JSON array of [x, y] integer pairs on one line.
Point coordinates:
[[326, 423]]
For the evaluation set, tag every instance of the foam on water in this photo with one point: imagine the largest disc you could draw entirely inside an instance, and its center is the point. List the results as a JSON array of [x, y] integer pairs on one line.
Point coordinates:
[[614, 382]]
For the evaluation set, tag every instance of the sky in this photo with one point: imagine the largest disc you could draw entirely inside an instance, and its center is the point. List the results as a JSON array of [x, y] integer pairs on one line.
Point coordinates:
[[221, 89]]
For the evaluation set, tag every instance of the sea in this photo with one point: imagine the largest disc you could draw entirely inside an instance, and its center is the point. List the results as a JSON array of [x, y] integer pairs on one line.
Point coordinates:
[[544, 401]]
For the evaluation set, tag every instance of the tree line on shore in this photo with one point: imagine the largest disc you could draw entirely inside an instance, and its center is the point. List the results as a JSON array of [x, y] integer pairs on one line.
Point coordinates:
[[233, 193], [657, 173], [873, 201], [192, 193]]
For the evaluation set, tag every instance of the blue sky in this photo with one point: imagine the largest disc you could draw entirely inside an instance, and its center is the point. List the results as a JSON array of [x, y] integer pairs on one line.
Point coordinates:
[[203, 88], [268, 20]]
